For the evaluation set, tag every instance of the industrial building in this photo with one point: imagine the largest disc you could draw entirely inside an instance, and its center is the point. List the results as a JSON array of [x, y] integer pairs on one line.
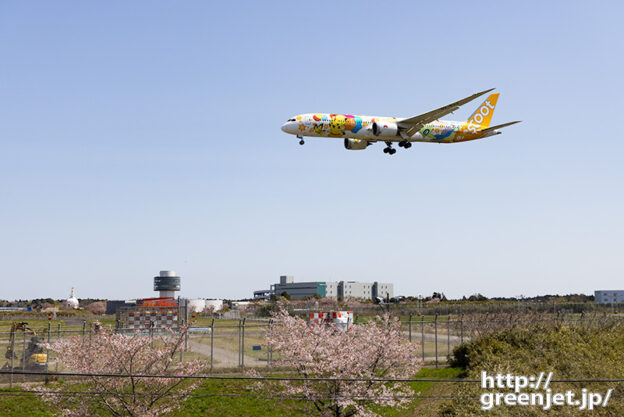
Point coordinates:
[[341, 289], [608, 296]]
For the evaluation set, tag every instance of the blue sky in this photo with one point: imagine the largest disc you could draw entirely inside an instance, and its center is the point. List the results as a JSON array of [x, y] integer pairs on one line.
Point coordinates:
[[140, 136]]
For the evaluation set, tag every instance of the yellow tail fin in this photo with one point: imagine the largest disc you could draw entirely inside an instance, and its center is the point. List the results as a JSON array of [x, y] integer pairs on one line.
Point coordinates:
[[483, 115]]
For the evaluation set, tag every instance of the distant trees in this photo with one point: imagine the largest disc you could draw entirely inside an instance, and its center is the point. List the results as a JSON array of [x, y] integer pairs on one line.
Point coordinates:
[[367, 351], [97, 307], [477, 297], [110, 353]]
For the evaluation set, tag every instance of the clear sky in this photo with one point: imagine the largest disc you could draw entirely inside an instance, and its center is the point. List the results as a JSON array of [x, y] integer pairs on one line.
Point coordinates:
[[140, 136]]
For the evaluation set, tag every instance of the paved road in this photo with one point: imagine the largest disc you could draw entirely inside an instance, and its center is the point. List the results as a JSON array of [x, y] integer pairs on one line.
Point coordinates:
[[223, 357]]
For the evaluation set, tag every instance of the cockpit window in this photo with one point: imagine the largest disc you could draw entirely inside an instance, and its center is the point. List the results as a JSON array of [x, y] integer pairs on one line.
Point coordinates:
[[290, 120]]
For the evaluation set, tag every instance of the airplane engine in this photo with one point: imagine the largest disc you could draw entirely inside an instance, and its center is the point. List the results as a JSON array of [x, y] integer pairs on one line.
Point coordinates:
[[355, 144], [385, 129]]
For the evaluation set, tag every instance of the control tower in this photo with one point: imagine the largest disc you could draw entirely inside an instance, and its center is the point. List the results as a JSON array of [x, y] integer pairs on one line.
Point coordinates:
[[167, 283]]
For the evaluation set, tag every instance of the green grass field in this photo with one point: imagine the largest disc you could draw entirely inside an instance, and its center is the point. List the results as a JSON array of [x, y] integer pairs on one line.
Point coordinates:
[[23, 404]]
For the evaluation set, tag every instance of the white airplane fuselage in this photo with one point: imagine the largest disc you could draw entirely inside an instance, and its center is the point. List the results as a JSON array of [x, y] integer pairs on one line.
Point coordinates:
[[360, 131], [361, 127]]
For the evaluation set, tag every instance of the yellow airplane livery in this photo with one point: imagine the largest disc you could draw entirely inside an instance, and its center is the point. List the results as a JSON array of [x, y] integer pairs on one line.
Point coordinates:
[[359, 132]]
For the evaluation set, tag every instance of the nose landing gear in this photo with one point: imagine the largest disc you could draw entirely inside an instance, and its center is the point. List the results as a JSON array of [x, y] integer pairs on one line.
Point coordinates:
[[301, 141]]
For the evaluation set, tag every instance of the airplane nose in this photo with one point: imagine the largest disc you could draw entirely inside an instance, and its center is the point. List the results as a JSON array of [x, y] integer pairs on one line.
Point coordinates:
[[284, 128]]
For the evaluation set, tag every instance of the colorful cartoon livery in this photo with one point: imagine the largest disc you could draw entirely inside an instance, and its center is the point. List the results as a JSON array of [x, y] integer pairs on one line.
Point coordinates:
[[359, 132]]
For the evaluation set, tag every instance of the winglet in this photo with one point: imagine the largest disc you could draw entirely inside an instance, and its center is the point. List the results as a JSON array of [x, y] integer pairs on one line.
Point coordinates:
[[486, 91]]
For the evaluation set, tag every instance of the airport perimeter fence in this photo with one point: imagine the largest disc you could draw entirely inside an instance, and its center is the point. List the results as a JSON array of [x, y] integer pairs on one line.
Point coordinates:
[[233, 345], [446, 308]]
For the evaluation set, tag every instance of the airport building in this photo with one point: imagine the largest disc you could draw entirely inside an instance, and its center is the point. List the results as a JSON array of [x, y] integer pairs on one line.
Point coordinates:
[[609, 296], [341, 289]]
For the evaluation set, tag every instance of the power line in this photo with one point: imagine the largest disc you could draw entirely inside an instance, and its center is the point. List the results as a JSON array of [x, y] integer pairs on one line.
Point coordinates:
[[279, 378], [252, 378], [233, 395]]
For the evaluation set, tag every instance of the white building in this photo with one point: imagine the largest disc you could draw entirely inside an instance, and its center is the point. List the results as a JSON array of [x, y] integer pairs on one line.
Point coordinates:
[[609, 296], [199, 305], [215, 305], [72, 301], [196, 305], [345, 290]]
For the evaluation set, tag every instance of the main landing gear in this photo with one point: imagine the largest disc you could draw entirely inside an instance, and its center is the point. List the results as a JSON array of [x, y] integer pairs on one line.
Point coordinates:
[[405, 144], [389, 149], [301, 141]]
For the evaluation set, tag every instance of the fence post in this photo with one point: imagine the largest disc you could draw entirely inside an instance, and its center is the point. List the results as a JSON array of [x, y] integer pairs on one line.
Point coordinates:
[[422, 335], [12, 356], [269, 346], [448, 335], [243, 345], [47, 355], [58, 336], [436, 338], [84, 328], [211, 344], [461, 328], [239, 342], [410, 327], [24, 354]]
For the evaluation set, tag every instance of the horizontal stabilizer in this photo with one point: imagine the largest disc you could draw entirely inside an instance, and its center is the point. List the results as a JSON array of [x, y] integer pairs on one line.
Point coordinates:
[[491, 129]]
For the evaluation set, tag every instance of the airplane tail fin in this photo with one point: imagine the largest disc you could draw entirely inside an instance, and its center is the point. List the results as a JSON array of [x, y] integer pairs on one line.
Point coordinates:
[[483, 115]]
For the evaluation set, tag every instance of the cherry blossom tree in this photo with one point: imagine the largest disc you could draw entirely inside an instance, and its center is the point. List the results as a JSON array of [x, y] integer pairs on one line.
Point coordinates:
[[130, 356], [367, 351]]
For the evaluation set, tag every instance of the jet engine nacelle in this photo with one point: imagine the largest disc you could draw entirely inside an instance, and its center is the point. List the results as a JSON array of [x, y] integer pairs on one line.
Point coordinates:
[[355, 144], [385, 129]]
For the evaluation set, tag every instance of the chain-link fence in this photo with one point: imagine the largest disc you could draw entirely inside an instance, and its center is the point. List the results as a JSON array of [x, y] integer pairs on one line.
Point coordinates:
[[237, 344]]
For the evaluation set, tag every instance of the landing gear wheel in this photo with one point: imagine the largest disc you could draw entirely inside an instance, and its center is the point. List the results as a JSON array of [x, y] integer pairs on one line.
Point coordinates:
[[392, 151], [407, 145], [386, 150], [301, 142]]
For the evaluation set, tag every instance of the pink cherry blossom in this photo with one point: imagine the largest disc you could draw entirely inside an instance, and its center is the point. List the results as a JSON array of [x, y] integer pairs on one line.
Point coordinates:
[[368, 351], [110, 353]]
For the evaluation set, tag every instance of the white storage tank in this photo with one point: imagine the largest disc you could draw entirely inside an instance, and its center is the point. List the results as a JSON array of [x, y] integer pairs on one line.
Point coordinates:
[[215, 305], [196, 305]]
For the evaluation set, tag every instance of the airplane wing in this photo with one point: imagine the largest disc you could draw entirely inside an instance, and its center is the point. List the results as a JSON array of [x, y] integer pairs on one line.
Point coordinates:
[[412, 125], [490, 129]]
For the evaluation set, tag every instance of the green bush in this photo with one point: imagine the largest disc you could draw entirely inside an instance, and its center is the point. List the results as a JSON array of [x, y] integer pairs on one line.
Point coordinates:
[[569, 351]]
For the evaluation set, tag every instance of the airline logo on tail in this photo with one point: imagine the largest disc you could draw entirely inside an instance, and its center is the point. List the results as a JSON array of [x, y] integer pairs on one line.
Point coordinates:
[[483, 115]]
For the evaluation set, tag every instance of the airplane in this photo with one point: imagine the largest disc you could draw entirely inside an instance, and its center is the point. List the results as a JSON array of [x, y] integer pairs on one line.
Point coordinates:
[[359, 132]]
